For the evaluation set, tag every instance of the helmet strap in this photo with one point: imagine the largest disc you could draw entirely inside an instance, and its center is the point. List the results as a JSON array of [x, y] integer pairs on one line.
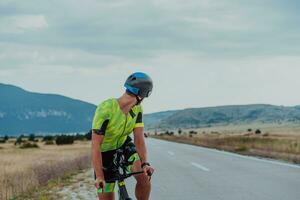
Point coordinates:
[[138, 100]]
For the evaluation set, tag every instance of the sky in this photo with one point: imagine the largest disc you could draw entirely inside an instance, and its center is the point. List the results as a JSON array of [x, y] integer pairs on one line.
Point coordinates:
[[199, 53]]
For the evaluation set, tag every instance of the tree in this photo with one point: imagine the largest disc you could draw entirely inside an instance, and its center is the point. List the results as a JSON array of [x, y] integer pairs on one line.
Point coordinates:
[[64, 139], [79, 137], [48, 138], [88, 135], [19, 140], [179, 131], [257, 131], [5, 137], [31, 137]]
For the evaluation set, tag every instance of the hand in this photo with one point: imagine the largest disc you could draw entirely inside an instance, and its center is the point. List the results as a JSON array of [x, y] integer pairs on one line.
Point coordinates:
[[100, 183], [148, 170]]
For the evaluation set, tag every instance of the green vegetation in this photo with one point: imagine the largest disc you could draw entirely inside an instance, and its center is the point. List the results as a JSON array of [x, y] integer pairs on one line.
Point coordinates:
[[31, 138], [6, 138], [88, 135], [48, 138], [19, 140], [49, 142], [27, 145], [64, 139], [257, 131], [179, 131]]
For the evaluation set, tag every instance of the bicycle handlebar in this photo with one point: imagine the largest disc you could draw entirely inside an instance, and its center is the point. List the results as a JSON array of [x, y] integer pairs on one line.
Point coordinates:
[[122, 177]]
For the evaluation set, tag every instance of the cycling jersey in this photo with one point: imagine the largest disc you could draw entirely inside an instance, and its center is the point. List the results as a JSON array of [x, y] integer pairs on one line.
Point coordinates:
[[110, 121]]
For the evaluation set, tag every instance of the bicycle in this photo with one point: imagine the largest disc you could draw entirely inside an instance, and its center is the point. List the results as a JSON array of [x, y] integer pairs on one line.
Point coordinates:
[[121, 164]]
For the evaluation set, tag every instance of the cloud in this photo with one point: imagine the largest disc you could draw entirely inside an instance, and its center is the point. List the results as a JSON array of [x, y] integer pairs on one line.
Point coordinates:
[[22, 23], [139, 29], [23, 56], [199, 53]]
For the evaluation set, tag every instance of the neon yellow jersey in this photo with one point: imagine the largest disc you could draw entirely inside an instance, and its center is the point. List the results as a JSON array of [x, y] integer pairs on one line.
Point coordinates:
[[110, 121]]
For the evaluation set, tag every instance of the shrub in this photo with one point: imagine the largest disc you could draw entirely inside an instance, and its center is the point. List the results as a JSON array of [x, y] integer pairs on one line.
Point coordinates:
[[27, 145], [266, 134], [48, 138], [31, 137], [2, 140], [257, 131], [169, 133], [179, 131], [88, 135], [64, 139], [249, 130], [6, 138], [79, 137], [241, 148], [49, 142], [19, 140]]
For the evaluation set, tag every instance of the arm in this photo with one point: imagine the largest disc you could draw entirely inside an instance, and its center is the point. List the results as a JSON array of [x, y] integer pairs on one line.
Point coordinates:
[[100, 122], [140, 145], [139, 142], [96, 154], [97, 159]]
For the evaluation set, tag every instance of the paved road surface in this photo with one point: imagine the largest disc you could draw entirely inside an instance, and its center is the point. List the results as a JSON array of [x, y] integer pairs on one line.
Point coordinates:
[[185, 172], [190, 172]]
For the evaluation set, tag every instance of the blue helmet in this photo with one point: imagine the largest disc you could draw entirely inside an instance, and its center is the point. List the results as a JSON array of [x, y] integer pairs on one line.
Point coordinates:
[[139, 84]]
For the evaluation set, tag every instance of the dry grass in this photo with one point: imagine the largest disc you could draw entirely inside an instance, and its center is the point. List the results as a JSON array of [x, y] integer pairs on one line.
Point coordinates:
[[22, 170], [284, 147]]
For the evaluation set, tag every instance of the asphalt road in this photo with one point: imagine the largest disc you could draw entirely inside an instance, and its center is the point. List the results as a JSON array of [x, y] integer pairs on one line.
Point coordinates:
[[188, 172]]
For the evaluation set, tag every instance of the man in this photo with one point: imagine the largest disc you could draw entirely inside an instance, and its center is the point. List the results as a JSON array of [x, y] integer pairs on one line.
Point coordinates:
[[114, 120]]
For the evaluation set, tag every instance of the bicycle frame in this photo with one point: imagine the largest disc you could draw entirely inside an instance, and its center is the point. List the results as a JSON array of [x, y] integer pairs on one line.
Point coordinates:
[[123, 194], [121, 164]]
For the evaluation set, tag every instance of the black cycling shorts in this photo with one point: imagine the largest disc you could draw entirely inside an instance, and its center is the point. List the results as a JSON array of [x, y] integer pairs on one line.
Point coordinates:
[[130, 154]]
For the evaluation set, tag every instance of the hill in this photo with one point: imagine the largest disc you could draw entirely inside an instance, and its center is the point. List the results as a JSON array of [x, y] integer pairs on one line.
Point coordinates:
[[22, 111], [227, 115]]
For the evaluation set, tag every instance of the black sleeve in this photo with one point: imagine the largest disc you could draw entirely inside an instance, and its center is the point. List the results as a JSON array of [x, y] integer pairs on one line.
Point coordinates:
[[102, 129], [139, 118]]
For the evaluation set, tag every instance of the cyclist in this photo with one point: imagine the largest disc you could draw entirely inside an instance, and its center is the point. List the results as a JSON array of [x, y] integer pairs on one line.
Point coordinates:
[[113, 121]]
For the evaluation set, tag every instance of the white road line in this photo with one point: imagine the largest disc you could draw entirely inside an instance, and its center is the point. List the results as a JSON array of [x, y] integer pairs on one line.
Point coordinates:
[[171, 153], [275, 162], [265, 160], [200, 166]]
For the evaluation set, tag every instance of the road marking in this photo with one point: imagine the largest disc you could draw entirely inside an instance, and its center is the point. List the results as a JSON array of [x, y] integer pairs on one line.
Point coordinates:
[[265, 160], [171, 153], [200, 166]]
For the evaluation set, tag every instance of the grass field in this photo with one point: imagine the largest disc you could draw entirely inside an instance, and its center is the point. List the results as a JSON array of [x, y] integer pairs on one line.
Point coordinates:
[[25, 170], [274, 142]]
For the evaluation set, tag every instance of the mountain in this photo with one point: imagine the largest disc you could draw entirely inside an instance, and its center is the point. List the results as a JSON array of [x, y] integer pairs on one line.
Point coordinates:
[[28, 112], [226, 115], [151, 120]]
